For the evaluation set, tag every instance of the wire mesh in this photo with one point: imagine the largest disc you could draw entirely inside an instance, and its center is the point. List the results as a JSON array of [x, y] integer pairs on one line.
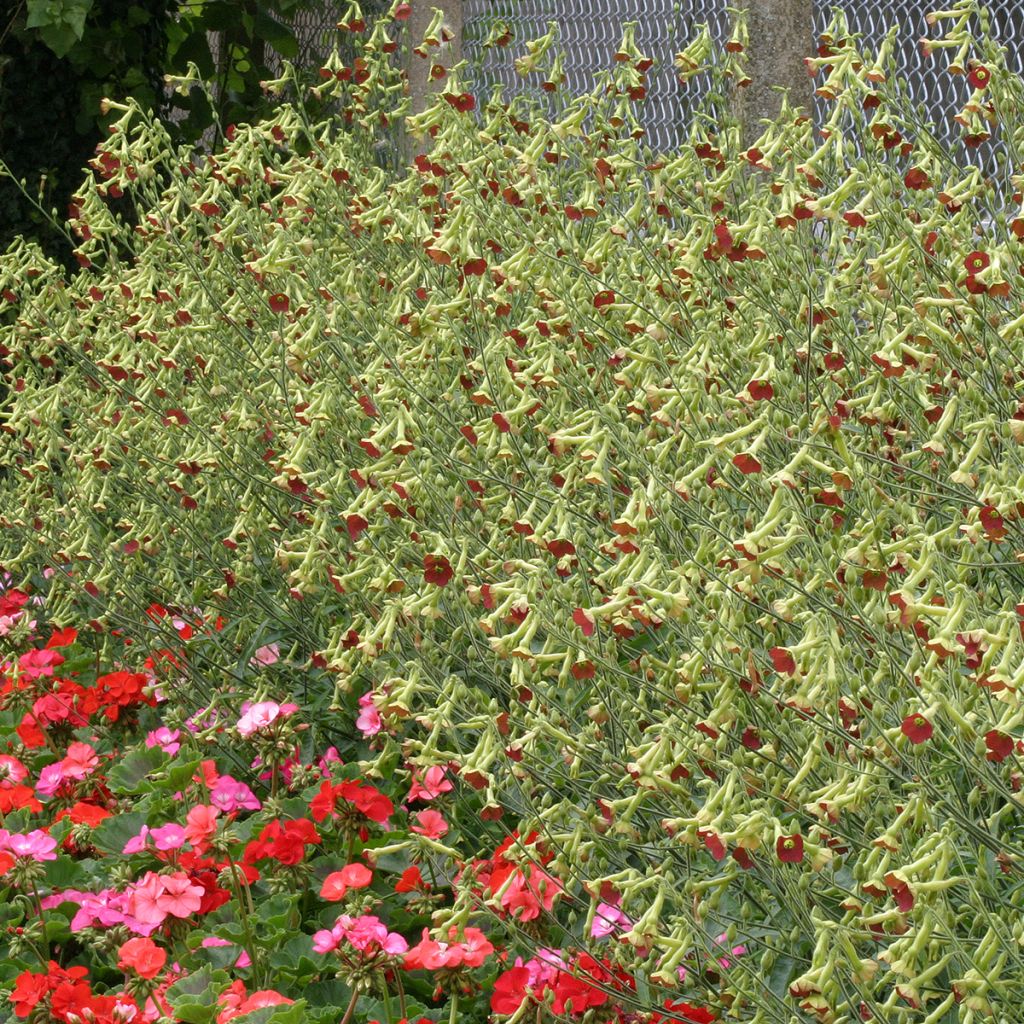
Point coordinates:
[[590, 30]]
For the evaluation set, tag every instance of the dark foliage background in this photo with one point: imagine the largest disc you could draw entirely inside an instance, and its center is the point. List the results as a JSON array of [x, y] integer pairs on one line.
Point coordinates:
[[59, 58]]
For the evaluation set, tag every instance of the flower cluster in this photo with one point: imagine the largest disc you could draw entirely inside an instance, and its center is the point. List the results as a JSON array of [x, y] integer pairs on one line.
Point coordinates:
[[601, 549]]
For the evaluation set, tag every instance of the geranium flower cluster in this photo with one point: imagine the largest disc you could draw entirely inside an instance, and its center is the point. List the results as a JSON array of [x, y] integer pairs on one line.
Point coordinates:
[[205, 852]]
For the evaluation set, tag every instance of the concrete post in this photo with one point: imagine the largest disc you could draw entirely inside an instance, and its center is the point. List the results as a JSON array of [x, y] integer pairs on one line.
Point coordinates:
[[781, 36], [447, 54]]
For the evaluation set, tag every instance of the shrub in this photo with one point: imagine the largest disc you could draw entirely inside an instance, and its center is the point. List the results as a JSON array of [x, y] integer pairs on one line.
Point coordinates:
[[673, 502]]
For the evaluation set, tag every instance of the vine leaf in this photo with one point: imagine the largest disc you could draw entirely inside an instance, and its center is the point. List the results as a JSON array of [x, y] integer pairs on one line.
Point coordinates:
[[61, 23]]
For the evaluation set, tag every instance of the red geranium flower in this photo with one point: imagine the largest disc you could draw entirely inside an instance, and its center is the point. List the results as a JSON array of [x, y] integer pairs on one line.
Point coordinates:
[[510, 990], [412, 879], [143, 956]]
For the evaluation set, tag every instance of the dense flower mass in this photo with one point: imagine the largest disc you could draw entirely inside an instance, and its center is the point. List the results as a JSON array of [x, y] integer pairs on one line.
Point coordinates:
[[179, 859], [552, 579]]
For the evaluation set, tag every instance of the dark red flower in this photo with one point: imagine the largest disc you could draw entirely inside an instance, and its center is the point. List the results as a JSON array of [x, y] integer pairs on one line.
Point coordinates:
[[790, 849], [437, 570], [992, 523], [916, 728], [584, 621], [278, 302], [976, 262], [916, 179], [687, 1012], [979, 76], [783, 661], [713, 843], [746, 463], [1000, 746]]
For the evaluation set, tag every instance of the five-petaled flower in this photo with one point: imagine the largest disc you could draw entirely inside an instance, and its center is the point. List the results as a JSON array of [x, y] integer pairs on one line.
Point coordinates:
[[143, 956], [916, 728], [976, 262], [790, 849], [979, 76]]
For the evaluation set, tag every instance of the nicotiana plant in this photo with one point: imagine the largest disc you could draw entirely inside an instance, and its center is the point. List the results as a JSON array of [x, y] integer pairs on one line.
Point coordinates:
[[670, 504]]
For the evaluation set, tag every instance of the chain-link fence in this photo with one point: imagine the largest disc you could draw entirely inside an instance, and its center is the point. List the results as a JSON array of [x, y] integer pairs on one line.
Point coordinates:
[[589, 32]]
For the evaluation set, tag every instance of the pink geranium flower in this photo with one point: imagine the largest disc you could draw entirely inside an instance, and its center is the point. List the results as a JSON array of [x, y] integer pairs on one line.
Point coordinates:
[[12, 771], [79, 761], [431, 824], [137, 843], [144, 899], [259, 717], [168, 837], [366, 933], [607, 920], [50, 779], [35, 845], [164, 738], [267, 655], [429, 785], [201, 824], [230, 795], [180, 898], [368, 722]]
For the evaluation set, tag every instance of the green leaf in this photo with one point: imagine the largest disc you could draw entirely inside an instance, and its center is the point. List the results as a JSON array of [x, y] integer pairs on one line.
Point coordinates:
[[277, 911], [194, 49], [57, 929], [295, 956], [61, 23], [194, 997], [294, 1014], [112, 833], [131, 775], [374, 1009], [330, 995], [279, 36], [136, 15], [180, 773], [781, 974], [63, 873], [220, 16]]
